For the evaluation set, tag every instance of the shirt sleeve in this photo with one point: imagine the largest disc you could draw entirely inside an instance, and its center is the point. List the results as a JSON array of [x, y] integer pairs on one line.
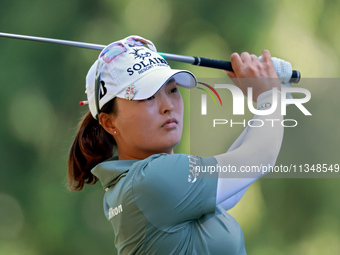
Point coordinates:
[[256, 147], [165, 193]]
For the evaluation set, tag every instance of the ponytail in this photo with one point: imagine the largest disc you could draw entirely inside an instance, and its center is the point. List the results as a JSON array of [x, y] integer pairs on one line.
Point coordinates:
[[92, 145]]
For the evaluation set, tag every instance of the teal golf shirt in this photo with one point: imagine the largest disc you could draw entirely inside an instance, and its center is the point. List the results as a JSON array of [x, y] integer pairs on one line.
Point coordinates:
[[155, 208]]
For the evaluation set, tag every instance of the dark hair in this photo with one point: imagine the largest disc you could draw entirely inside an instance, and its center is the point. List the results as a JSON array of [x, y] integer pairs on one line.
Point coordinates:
[[91, 146]]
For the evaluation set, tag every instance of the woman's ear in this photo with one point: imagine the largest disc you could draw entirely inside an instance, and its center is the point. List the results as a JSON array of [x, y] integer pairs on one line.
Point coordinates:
[[107, 121]]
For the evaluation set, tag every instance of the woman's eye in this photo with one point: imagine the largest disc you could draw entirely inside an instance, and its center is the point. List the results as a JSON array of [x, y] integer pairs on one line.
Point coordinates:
[[174, 90], [150, 98]]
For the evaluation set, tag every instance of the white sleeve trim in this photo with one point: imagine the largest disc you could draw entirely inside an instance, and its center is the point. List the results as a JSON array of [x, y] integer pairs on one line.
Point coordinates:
[[232, 201]]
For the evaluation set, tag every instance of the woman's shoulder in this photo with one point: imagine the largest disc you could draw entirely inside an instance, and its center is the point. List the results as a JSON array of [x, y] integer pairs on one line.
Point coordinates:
[[160, 162], [168, 158], [171, 164], [159, 167]]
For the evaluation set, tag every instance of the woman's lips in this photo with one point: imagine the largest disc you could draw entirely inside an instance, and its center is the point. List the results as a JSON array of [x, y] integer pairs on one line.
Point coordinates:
[[170, 123]]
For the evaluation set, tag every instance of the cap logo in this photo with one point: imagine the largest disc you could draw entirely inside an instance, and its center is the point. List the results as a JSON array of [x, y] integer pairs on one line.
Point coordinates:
[[103, 90], [141, 56], [148, 62], [130, 92]]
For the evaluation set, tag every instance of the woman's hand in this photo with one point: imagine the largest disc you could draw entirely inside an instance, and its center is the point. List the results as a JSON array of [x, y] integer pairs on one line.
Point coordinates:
[[249, 71]]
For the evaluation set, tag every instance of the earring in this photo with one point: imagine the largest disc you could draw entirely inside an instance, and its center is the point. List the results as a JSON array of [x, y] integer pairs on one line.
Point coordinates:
[[115, 132]]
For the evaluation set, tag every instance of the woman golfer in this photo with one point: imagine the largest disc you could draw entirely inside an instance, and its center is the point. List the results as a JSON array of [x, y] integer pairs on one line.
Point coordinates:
[[155, 201]]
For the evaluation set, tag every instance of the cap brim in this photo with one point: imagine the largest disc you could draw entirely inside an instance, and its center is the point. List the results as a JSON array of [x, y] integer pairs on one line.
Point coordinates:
[[148, 85]]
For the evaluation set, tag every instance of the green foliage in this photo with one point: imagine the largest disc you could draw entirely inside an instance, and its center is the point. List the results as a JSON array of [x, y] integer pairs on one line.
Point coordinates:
[[41, 85]]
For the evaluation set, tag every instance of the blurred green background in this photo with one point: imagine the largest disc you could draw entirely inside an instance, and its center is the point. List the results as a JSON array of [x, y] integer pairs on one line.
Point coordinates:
[[41, 85]]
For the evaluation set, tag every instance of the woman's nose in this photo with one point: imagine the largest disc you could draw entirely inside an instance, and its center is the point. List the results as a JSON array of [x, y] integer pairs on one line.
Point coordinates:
[[166, 104]]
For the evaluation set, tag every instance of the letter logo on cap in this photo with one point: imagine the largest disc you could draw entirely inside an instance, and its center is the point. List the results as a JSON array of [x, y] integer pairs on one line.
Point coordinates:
[[103, 89]]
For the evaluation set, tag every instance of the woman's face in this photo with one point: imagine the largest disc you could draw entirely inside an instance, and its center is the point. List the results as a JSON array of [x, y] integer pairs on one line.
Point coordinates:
[[151, 126]]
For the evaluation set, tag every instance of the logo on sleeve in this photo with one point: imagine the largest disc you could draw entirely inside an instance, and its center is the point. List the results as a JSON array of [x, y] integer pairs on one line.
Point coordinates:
[[192, 166]]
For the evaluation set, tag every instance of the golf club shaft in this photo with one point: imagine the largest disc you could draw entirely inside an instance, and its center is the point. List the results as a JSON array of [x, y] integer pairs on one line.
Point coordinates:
[[55, 41], [207, 62]]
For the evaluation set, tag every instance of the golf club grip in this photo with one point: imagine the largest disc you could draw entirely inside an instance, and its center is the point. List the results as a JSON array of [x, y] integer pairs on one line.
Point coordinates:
[[226, 65], [213, 63]]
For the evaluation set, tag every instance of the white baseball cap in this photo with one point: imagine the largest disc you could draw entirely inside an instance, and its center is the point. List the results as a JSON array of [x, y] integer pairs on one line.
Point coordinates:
[[132, 69]]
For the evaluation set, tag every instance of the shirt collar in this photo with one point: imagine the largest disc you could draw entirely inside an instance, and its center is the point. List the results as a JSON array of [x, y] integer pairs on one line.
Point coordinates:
[[109, 172]]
